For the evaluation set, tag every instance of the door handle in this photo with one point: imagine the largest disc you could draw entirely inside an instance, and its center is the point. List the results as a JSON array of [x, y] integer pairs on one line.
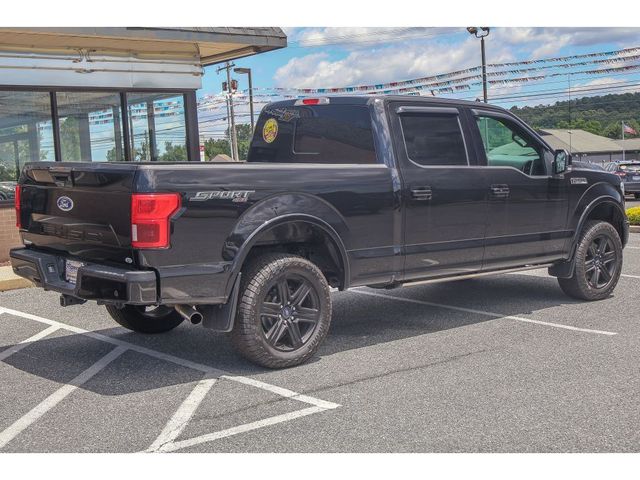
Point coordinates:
[[499, 191], [421, 193]]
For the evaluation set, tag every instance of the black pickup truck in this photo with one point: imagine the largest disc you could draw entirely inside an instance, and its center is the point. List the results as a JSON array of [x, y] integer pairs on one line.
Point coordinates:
[[337, 192]]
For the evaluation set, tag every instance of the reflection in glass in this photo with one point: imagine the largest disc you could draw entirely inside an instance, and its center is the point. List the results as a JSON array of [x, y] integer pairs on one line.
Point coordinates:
[[26, 134], [90, 126], [157, 126]]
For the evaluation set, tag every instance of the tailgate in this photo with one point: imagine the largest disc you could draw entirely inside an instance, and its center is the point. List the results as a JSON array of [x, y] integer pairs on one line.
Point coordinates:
[[82, 209]]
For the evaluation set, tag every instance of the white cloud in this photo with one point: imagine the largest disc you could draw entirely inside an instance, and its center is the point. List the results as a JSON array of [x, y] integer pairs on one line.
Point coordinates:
[[548, 41], [393, 62], [381, 55], [357, 37]]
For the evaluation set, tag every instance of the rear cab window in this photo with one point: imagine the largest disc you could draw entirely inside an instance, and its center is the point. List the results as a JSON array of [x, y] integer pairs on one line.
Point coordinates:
[[328, 134]]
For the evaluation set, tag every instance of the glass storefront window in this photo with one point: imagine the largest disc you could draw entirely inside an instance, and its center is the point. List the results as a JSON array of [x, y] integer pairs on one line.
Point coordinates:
[[90, 127], [26, 134], [157, 126]]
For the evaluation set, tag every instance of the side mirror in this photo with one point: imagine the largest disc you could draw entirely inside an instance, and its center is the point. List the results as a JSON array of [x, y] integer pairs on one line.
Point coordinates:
[[561, 161]]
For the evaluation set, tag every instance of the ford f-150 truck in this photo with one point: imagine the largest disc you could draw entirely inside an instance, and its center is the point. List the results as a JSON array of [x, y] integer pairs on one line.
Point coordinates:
[[337, 192]]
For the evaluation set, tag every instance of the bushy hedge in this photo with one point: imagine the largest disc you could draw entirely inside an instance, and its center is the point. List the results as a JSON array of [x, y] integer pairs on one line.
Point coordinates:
[[634, 215]]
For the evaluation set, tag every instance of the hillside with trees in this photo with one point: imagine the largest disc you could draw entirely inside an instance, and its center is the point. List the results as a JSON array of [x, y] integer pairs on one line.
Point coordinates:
[[599, 115]]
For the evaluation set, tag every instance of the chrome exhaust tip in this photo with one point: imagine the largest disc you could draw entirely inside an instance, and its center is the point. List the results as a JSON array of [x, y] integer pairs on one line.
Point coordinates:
[[189, 313]]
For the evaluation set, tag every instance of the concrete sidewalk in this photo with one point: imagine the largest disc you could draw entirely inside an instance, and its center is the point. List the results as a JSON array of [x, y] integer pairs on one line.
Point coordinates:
[[10, 281]]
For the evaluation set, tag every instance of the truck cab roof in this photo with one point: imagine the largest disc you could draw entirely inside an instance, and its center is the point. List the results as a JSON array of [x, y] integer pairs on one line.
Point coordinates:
[[367, 99]]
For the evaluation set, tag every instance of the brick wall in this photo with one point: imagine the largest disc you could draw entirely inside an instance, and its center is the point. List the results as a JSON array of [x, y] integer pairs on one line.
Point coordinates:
[[9, 236]]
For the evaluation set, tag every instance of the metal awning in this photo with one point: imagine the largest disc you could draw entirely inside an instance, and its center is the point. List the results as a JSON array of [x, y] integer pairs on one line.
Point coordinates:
[[210, 44], [125, 57]]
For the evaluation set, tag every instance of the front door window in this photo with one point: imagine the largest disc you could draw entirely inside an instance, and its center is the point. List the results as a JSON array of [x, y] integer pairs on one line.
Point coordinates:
[[507, 145]]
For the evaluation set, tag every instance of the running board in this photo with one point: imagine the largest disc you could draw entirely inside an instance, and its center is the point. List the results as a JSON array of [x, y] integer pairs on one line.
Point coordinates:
[[475, 275]]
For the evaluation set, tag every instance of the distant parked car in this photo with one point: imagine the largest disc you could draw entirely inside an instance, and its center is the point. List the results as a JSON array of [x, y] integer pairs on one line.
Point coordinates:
[[7, 190], [629, 173], [579, 164]]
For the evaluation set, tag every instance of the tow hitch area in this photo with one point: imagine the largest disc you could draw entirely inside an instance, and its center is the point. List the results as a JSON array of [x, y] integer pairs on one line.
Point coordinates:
[[68, 300]]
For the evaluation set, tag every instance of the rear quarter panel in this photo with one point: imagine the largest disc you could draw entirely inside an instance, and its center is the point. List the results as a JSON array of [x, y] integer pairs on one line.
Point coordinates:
[[208, 236]]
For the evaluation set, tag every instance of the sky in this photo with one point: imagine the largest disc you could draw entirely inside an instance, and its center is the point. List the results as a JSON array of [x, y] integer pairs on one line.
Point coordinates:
[[339, 57]]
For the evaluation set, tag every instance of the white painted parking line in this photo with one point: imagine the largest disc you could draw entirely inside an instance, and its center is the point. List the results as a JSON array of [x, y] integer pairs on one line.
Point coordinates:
[[630, 276], [210, 437], [166, 440], [486, 313], [56, 397], [283, 392], [177, 360], [180, 419], [25, 343]]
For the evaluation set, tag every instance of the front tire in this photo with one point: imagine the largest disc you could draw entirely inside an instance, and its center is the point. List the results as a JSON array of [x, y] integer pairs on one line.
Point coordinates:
[[284, 311], [139, 319], [598, 263]]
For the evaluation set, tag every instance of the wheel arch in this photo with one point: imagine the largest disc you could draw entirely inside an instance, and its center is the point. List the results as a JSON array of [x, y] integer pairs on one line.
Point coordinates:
[[291, 231]]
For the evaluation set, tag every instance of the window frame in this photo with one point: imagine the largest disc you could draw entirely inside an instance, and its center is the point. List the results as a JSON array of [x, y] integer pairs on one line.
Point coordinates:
[[483, 160], [431, 111]]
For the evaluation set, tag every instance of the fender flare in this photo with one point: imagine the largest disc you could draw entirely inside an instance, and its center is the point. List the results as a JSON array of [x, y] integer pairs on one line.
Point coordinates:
[[601, 200], [252, 239]]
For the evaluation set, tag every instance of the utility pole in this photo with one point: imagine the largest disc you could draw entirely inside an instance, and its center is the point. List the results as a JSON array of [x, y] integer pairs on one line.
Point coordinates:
[[622, 125], [248, 72], [481, 32], [234, 138]]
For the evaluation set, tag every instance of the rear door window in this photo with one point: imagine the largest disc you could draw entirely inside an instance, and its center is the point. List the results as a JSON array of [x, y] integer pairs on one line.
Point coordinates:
[[330, 134], [433, 139]]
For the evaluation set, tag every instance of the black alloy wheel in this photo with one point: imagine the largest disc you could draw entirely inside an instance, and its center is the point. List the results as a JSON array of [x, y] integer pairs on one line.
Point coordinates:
[[600, 262], [289, 313]]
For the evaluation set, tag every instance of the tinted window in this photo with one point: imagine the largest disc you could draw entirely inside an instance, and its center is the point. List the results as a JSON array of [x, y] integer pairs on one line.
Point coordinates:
[[433, 139], [313, 134], [507, 145]]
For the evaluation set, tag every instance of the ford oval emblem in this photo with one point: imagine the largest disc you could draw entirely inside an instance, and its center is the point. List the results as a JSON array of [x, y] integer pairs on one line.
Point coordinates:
[[65, 204]]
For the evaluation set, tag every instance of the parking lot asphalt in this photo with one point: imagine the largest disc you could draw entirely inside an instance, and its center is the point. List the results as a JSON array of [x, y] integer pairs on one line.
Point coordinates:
[[499, 364]]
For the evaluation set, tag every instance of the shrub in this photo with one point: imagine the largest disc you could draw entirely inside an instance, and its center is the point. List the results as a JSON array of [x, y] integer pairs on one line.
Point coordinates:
[[634, 215]]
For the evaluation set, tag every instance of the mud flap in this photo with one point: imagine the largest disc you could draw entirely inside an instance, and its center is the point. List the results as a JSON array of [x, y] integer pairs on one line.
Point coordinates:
[[221, 317], [563, 269]]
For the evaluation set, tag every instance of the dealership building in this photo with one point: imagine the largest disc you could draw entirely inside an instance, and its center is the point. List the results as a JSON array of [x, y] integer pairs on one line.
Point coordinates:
[[106, 94]]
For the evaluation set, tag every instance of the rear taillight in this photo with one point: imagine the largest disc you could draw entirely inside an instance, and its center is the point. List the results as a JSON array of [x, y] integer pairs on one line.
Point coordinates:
[[16, 201], [150, 216]]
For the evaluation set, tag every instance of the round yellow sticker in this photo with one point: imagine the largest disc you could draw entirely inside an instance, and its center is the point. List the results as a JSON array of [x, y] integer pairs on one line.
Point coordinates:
[[270, 130]]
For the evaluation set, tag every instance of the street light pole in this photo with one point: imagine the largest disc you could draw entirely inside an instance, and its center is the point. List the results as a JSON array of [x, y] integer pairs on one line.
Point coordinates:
[[480, 33], [248, 72]]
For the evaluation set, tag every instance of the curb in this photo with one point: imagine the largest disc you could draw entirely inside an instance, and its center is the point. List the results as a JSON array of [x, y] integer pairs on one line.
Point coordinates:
[[634, 229], [11, 281]]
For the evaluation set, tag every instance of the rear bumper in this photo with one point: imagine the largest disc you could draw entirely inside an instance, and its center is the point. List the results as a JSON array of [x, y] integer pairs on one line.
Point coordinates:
[[94, 281]]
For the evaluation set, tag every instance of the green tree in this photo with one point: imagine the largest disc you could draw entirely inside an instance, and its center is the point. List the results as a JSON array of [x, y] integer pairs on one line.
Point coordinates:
[[174, 153], [215, 147]]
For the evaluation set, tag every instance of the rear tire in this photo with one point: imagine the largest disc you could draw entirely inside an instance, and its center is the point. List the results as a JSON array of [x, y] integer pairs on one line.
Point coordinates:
[[598, 263], [284, 311], [142, 320]]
